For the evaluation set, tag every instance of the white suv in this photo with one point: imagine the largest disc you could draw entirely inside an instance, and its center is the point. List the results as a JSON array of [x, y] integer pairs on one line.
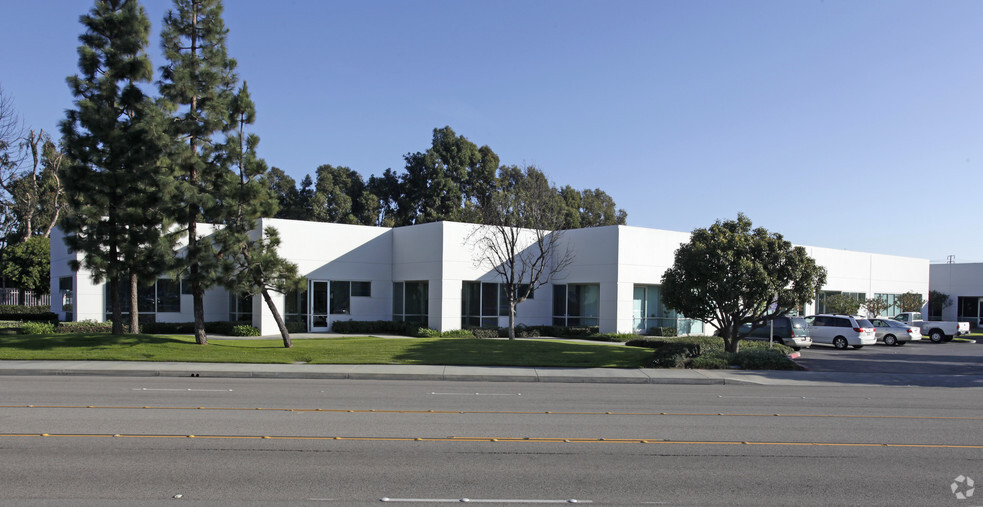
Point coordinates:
[[841, 331]]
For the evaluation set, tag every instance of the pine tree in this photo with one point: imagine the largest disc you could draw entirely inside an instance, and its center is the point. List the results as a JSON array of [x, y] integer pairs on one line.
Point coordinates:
[[114, 139], [199, 83], [252, 266]]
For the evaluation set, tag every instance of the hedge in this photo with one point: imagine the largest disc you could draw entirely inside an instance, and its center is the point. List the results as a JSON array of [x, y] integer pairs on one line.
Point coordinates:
[[28, 313]]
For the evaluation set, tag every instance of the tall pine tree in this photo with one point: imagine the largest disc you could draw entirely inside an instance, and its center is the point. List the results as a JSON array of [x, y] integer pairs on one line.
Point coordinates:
[[251, 265], [114, 140], [199, 82]]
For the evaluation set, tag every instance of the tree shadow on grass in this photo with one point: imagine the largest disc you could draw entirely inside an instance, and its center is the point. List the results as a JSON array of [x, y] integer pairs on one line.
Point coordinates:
[[533, 353], [82, 340]]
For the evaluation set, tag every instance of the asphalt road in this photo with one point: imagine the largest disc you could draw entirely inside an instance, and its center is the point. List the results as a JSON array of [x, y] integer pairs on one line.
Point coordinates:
[[127, 441], [923, 357]]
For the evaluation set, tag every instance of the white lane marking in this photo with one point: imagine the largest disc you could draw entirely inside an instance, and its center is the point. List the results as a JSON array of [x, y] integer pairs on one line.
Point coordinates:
[[185, 390], [478, 500], [475, 394]]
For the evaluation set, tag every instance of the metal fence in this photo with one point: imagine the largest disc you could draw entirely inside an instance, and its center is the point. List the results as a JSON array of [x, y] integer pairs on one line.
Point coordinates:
[[25, 297]]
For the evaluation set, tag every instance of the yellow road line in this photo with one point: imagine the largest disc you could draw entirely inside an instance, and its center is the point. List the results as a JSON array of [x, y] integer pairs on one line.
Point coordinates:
[[496, 439], [491, 412]]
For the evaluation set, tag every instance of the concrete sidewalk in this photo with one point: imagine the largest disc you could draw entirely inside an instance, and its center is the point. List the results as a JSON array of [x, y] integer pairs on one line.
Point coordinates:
[[480, 373]]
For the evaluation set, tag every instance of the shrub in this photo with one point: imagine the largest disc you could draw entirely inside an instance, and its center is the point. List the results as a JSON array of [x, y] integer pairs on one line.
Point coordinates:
[[84, 326], [426, 332], [483, 332], [763, 345], [27, 313], [524, 331], [38, 328], [717, 360], [244, 330], [612, 337], [296, 327], [764, 359], [662, 331], [25, 309], [372, 327], [672, 355]]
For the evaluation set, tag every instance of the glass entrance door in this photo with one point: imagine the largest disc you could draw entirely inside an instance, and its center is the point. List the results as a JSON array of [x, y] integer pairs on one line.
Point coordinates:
[[319, 307]]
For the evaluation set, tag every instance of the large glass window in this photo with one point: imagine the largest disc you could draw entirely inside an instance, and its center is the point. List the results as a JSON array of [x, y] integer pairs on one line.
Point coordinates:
[[163, 296], [168, 295], [411, 301], [341, 298], [648, 313], [240, 308], [576, 304], [482, 303], [892, 304], [296, 306], [823, 294], [67, 296]]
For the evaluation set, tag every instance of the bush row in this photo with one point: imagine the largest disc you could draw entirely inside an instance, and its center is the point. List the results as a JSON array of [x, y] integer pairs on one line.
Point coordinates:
[[27, 314], [707, 352]]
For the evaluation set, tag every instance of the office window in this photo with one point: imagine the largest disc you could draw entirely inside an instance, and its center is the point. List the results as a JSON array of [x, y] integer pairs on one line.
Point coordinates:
[[341, 293], [241, 308], [576, 304], [361, 289], [168, 295], [410, 301], [66, 294]]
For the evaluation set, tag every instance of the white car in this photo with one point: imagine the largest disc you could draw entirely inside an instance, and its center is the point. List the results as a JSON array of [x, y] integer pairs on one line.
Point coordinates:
[[841, 331], [892, 332]]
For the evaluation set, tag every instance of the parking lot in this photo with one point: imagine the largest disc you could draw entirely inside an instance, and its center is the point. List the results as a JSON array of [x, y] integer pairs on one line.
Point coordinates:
[[924, 357]]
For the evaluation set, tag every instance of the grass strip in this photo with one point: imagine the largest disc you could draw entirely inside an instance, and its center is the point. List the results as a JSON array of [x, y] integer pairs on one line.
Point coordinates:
[[343, 350]]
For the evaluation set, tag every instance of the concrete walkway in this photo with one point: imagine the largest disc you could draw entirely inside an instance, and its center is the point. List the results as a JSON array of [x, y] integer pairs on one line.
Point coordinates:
[[479, 373]]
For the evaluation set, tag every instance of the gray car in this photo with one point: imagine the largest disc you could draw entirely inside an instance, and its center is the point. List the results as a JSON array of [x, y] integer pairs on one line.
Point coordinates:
[[892, 332], [791, 331]]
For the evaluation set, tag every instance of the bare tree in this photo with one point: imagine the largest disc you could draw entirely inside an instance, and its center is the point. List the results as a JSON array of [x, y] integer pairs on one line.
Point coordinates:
[[11, 157], [521, 240]]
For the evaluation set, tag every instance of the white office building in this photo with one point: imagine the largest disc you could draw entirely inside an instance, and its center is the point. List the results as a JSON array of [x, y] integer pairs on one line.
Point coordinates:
[[963, 283], [430, 274]]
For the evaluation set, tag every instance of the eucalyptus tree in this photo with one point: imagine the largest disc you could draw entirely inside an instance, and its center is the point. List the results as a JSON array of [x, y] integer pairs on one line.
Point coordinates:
[[114, 139], [198, 84]]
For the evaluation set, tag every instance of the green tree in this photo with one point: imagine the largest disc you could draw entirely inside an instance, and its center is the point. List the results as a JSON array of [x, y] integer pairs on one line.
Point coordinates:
[[843, 304], [27, 264], [199, 83], [251, 266], [521, 240], [876, 306], [114, 139], [729, 275], [341, 196], [937, 302], [441, 182], [388, 190], [910, 302]]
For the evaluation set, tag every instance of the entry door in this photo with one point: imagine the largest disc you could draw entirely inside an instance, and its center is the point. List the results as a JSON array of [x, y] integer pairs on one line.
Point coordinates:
[[319, 306]]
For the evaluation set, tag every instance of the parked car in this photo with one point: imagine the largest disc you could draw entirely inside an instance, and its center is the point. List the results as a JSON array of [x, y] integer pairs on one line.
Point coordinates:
[[892, 332], [791, 331], [937, 331], [841, 331]]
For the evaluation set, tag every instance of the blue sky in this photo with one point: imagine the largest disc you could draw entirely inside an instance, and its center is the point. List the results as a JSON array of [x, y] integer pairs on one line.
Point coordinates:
[[838, 123]]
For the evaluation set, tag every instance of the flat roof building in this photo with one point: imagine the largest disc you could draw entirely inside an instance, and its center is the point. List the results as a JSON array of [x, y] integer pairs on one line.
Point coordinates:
[[431, 274]]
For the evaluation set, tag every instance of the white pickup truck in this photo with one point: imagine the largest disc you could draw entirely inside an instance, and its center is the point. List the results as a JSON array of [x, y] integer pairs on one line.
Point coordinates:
[[937, 331]]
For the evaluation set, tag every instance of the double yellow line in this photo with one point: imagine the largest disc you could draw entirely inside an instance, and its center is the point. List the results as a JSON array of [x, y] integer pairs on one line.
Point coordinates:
[[551, 440]]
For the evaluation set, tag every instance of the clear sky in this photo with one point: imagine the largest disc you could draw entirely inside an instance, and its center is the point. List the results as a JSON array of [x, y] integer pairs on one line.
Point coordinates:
[[838, 123]]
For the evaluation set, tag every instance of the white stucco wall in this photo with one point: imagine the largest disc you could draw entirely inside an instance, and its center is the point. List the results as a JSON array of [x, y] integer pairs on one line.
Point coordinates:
[[334, 252], [445, 254], [956, 280]]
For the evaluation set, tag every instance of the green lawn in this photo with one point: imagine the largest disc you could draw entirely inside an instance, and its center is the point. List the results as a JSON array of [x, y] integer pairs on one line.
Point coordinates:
[[346, 350]]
